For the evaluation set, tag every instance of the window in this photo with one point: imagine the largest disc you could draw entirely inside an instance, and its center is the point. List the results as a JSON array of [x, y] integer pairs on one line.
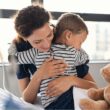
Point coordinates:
[[94, 12], [97, 19], [14, 4], [7, 32], [78, 6]]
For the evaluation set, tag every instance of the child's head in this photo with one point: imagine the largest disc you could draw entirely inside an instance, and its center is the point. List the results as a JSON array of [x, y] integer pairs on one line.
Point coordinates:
[[71, 30]]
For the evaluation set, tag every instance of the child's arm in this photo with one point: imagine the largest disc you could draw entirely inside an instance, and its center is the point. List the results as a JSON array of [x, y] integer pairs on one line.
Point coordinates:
[[26, 57], [81, 57]]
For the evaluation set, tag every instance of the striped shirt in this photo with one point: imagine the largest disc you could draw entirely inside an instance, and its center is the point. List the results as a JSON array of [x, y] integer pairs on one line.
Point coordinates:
[[72, 57]]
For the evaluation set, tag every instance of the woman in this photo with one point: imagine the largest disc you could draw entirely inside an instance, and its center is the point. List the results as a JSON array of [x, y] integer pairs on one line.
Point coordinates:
[[33, 23]]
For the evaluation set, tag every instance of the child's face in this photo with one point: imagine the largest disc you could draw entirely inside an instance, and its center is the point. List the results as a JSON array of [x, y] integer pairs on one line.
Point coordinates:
[[76, 40]]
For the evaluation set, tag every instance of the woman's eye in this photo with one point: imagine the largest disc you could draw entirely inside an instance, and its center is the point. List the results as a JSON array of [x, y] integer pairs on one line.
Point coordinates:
[[50, 35], [37, 42]]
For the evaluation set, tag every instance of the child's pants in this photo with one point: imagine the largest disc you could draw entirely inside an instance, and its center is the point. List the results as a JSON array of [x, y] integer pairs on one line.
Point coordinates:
[[64, 102]]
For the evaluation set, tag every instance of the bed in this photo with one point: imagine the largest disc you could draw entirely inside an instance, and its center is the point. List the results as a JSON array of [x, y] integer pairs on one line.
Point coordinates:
[[8, 100]]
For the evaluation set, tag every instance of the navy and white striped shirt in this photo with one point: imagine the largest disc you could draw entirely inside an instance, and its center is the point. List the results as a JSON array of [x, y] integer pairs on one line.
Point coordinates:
[[72, 57]]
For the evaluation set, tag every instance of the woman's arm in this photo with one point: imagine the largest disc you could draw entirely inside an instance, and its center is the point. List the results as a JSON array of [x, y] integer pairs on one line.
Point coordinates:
[[86, 83], [83, 80], [23, 83], [49, 68], [62, 84], [30, 88]]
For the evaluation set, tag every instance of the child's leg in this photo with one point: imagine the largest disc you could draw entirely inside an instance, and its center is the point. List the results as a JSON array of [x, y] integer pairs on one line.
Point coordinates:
[[64, 102]]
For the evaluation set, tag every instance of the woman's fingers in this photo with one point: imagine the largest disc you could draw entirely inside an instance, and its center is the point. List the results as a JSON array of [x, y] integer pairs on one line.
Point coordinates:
[[60, 68], [52, 67], [53, 93], [61, 65], [59, 71], [49, 59], [55, 61]]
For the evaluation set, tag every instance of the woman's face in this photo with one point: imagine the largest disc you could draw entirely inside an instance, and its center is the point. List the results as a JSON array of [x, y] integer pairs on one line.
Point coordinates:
[[41, 38]]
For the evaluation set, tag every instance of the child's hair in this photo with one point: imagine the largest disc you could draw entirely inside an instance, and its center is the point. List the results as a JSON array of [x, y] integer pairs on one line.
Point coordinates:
[[70, 21], [30, 18]]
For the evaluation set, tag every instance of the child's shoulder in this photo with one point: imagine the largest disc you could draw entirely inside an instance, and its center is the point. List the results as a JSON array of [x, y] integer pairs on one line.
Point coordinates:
[[61, 46]]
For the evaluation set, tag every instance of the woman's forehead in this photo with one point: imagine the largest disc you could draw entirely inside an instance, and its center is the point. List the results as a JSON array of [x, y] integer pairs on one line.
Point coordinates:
[[41, 33]]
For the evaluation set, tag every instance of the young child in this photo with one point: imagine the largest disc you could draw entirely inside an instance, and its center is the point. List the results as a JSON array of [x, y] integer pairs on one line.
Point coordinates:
[[70, 33]]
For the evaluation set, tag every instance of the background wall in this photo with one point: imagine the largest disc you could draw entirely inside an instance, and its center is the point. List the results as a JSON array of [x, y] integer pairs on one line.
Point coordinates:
[[95, 71], [10, 80], [12, 85]]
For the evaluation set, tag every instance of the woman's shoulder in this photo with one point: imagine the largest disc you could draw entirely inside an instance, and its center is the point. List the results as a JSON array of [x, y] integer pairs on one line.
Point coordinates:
[[20, 45]]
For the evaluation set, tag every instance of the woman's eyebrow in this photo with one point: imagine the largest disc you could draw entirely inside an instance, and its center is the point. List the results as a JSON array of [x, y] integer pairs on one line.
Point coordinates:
[[50, 32]]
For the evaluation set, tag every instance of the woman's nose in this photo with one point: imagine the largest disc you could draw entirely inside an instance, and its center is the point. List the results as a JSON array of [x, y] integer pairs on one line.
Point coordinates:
[[47, 44]]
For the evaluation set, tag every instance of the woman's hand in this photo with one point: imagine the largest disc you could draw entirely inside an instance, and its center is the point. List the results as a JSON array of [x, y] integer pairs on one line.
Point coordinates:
[[52, 67], [59, 86]]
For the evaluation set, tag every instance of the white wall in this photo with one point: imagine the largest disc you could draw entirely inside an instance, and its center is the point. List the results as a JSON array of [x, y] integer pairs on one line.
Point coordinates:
[[12, 84], [95, 71]]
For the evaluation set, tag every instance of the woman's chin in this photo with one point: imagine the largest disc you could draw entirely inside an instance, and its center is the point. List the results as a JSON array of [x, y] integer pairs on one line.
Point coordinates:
[[44, 50]]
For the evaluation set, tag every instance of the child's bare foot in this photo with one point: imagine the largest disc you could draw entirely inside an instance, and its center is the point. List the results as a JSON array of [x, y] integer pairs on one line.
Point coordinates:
[[89, 104], [96, 94]]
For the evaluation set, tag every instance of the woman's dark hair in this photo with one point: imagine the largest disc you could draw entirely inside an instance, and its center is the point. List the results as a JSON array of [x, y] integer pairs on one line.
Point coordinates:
[[30, 18]]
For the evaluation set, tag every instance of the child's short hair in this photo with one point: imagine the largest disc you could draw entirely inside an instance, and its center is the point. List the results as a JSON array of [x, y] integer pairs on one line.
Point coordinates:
[[70, 21]]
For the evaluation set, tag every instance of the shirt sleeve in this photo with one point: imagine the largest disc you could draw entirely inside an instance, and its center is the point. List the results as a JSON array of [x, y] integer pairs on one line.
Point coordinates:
[[80, 57], [25, 70], [26, 57], [82, 70]]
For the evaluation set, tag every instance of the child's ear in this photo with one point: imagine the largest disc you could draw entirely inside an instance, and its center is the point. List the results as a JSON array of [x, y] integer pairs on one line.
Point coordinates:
[[68, 34]]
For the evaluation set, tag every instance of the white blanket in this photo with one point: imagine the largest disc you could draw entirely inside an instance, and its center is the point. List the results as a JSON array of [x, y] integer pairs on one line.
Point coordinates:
[[8, 100], [7, 97], [78, 94]]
